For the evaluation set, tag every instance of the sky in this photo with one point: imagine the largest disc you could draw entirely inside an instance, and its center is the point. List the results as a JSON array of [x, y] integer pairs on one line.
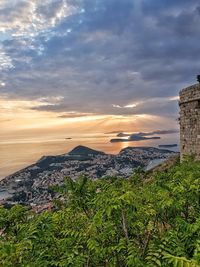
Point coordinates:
[[95, 65]]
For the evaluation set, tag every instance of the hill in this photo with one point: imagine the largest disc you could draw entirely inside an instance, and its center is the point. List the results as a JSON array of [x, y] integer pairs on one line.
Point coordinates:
[[85, 151], [31, 185]]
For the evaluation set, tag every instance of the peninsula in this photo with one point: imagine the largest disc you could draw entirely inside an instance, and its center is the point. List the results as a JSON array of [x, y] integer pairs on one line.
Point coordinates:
[[31, 185]]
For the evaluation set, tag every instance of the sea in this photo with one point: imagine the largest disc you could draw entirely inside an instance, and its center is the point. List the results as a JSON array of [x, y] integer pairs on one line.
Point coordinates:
[[19, 153]]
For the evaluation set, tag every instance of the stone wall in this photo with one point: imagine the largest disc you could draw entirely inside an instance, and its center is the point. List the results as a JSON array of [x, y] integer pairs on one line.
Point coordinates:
[[190, 121]]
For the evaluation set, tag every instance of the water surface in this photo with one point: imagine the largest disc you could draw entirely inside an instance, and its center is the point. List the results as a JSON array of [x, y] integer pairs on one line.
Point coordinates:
[[16, 154]]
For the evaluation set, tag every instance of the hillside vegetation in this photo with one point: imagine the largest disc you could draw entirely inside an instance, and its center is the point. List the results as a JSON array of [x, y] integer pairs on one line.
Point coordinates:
[[146, 220]]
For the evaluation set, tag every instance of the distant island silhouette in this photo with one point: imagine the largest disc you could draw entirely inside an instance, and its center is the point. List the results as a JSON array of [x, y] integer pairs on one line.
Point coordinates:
[[133, 137], [168, 146], [141, 135]]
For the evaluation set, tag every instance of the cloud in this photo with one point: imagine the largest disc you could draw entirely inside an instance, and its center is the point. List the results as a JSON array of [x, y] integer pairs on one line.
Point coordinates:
[[99, 55], [23, 18], [72, 115], [160, 105]]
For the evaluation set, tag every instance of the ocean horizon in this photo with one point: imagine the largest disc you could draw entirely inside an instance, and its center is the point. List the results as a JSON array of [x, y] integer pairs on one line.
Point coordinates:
[[19, 153]]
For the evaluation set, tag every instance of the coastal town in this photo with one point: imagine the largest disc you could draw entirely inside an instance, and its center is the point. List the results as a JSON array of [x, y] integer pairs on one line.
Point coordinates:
[[31, 185]]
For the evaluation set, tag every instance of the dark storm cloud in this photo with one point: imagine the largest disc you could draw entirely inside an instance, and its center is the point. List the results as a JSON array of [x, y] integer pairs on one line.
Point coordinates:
[[104, 53]]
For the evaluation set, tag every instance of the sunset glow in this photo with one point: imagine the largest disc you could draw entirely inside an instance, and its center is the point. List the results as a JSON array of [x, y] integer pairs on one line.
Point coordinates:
[[77, 68]]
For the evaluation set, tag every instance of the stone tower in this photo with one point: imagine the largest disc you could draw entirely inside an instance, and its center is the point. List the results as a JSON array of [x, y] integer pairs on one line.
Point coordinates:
[[190, 121]]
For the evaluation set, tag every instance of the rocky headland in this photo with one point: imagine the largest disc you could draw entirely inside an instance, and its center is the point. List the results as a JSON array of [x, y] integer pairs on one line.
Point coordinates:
[[31, 185]]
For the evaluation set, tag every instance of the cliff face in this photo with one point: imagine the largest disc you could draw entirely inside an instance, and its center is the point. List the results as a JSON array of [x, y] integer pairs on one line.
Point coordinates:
[[190, 121]]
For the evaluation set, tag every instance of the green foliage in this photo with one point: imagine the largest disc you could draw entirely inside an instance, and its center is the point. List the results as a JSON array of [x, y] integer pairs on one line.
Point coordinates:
[[137, 222]]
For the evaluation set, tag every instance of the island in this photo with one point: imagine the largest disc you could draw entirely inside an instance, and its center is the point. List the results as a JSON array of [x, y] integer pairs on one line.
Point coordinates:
[[168, 146], [133, 137], [140, 136]]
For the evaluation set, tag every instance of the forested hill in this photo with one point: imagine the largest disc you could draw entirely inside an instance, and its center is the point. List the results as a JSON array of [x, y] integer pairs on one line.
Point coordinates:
[[150, 219]]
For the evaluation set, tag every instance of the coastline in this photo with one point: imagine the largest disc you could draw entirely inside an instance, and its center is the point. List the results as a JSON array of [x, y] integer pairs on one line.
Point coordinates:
[[31, 184], [29, 152]]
